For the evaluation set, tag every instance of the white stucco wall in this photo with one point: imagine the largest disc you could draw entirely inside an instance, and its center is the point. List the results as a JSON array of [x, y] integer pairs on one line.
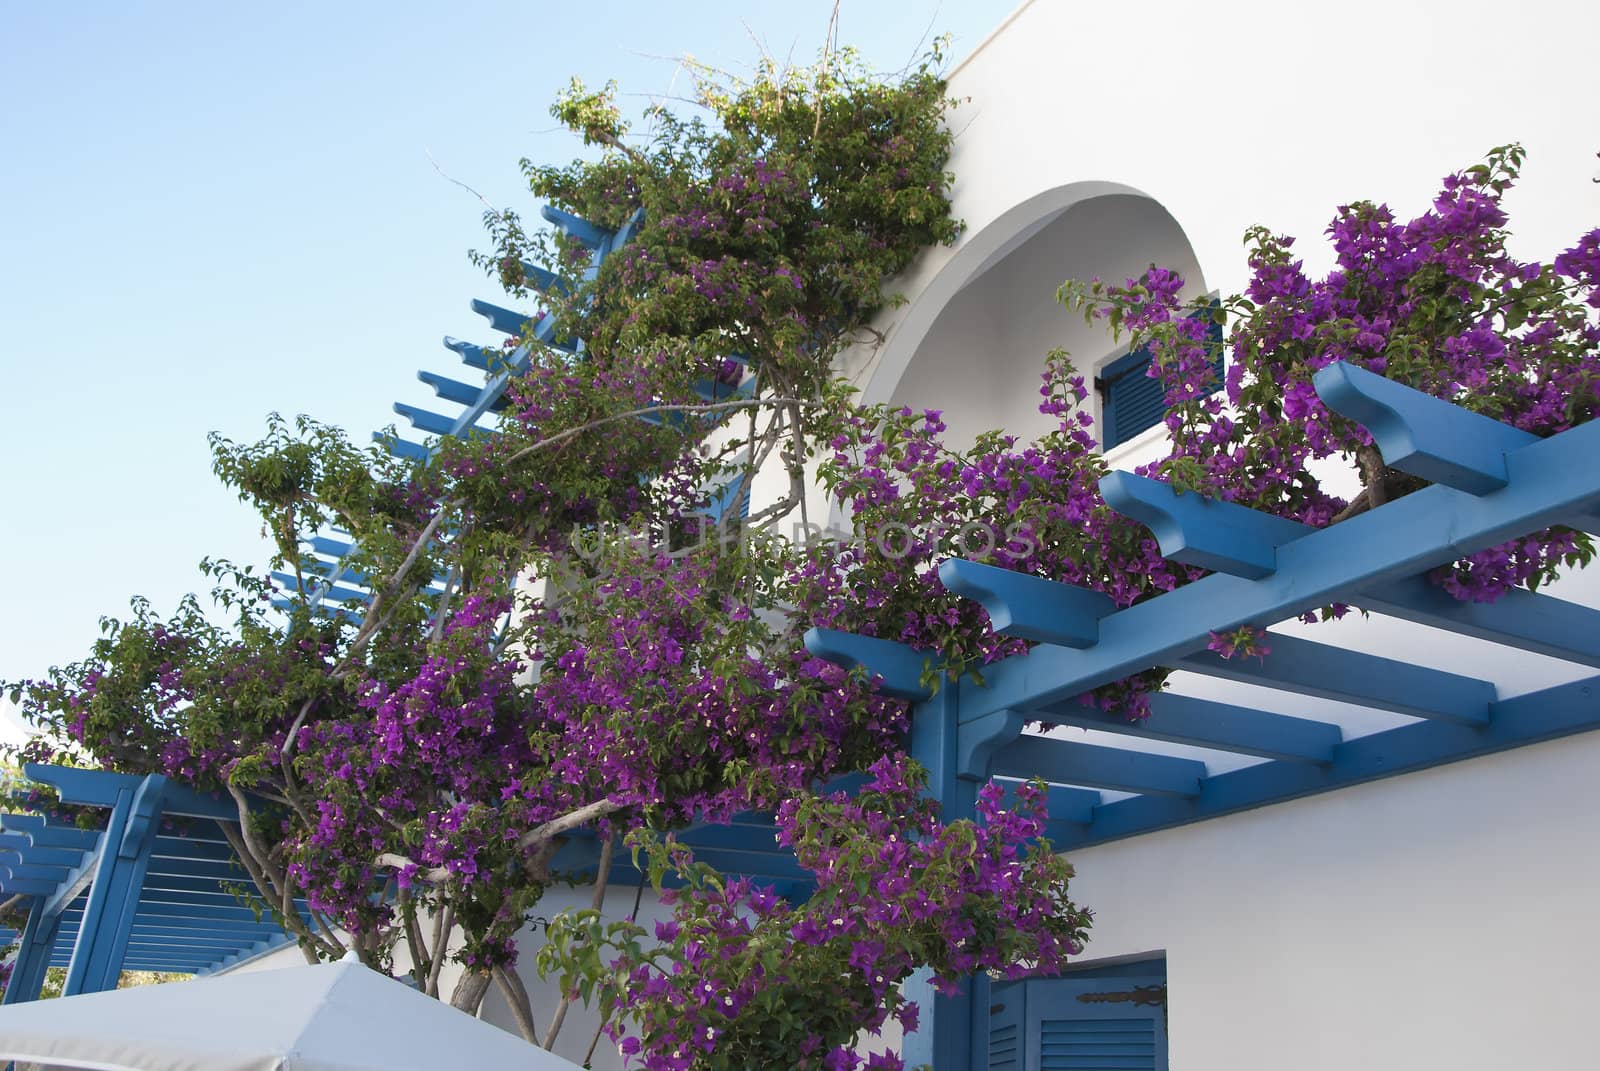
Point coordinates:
[[1442, 919]]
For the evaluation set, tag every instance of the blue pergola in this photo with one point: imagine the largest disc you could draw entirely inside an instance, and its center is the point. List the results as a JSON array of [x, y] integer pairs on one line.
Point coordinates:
[[152, 888], [338, 583], [133, 896], [1490, 483]]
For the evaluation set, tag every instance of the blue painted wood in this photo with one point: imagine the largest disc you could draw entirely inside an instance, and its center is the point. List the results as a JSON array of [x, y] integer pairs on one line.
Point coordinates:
[[1305, 667], [1029, 606], [578, 227], [1182, 719], [501, 319], [475, 356], [979, 739], [1062, 804], [1063, 1032], [33, 956], [27, 887], [423, 420], [1221, 536], [113, 901], [1521, 619], [1069, 762], [1405, 538], [401, 448], [333, 548], [1420, 434], [544, 280], [900, 668], [452, 390], [1525, 719], [97, 788], [943, 1038]]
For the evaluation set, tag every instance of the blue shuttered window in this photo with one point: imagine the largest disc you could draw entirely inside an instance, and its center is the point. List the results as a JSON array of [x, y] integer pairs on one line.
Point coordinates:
[[1111, 1018], [1131, 400]]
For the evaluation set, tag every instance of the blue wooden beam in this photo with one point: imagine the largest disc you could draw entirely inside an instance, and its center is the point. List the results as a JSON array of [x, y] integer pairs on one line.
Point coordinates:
[[423, 420], [1091, 766], [46, 833], [451, 390], [475, 356], [1420, 434], [544, 280], [1073, 806], [97, 788], [1029, 606], [33, 956], [1550, 479], [114, 893], [1522, 619], [501, 319], [1525, 719], [1182, 719], [1328, 672], [1221, 536], [899, 668], [578, 227]]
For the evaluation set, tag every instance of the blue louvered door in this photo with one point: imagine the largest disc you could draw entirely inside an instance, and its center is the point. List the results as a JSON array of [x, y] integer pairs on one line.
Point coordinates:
[[1090, 1021]]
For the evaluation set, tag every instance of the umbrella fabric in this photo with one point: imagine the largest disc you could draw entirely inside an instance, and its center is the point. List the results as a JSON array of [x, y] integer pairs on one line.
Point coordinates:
[[333, 1017]]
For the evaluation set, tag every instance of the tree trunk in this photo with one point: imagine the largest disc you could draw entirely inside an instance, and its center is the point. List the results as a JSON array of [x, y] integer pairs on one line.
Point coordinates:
[[470, 991]]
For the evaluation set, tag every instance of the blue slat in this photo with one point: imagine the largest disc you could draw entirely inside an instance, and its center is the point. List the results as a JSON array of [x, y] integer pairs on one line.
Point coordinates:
[[424, 420], [1182, 719], [1420, 434], [501, 319], [1220, 536], [1429, 528], [1072, 763], [1029, 606], [576, 226], [1521, 619], [451, 390], [900, 667], [1327, 672], [1526, 719]]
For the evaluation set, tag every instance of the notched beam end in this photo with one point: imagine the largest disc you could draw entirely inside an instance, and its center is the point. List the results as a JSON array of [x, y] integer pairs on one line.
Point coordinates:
[[1420, 434], [898, 668], [1220, 536]]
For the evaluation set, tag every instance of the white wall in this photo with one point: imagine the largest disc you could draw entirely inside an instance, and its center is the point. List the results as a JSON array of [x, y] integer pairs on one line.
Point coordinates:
[[1441, 919]]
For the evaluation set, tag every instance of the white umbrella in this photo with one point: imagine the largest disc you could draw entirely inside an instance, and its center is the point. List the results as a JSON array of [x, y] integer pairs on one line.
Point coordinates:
[[332, 1017]]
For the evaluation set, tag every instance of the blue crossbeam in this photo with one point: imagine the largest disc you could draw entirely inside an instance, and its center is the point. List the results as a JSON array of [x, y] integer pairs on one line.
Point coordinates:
[[1073, 806], [1182, 719], [576, 226], [1522, 619], [1404, 538], [423, 420], [1028, 606], [97, 788], [544, 280], [900, 667], [1420, 434], [46, 833], [501, 319], [1091, 766], [1525, 719], [1327, 672], [453, 390], [1221, 536], [475, 356]]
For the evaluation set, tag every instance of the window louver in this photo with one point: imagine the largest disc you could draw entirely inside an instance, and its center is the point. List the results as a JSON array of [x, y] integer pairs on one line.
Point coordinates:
[[1096, 1045]]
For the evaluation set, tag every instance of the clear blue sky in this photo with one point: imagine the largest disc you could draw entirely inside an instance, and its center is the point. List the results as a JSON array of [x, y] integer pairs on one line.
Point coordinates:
[[212, 211]]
